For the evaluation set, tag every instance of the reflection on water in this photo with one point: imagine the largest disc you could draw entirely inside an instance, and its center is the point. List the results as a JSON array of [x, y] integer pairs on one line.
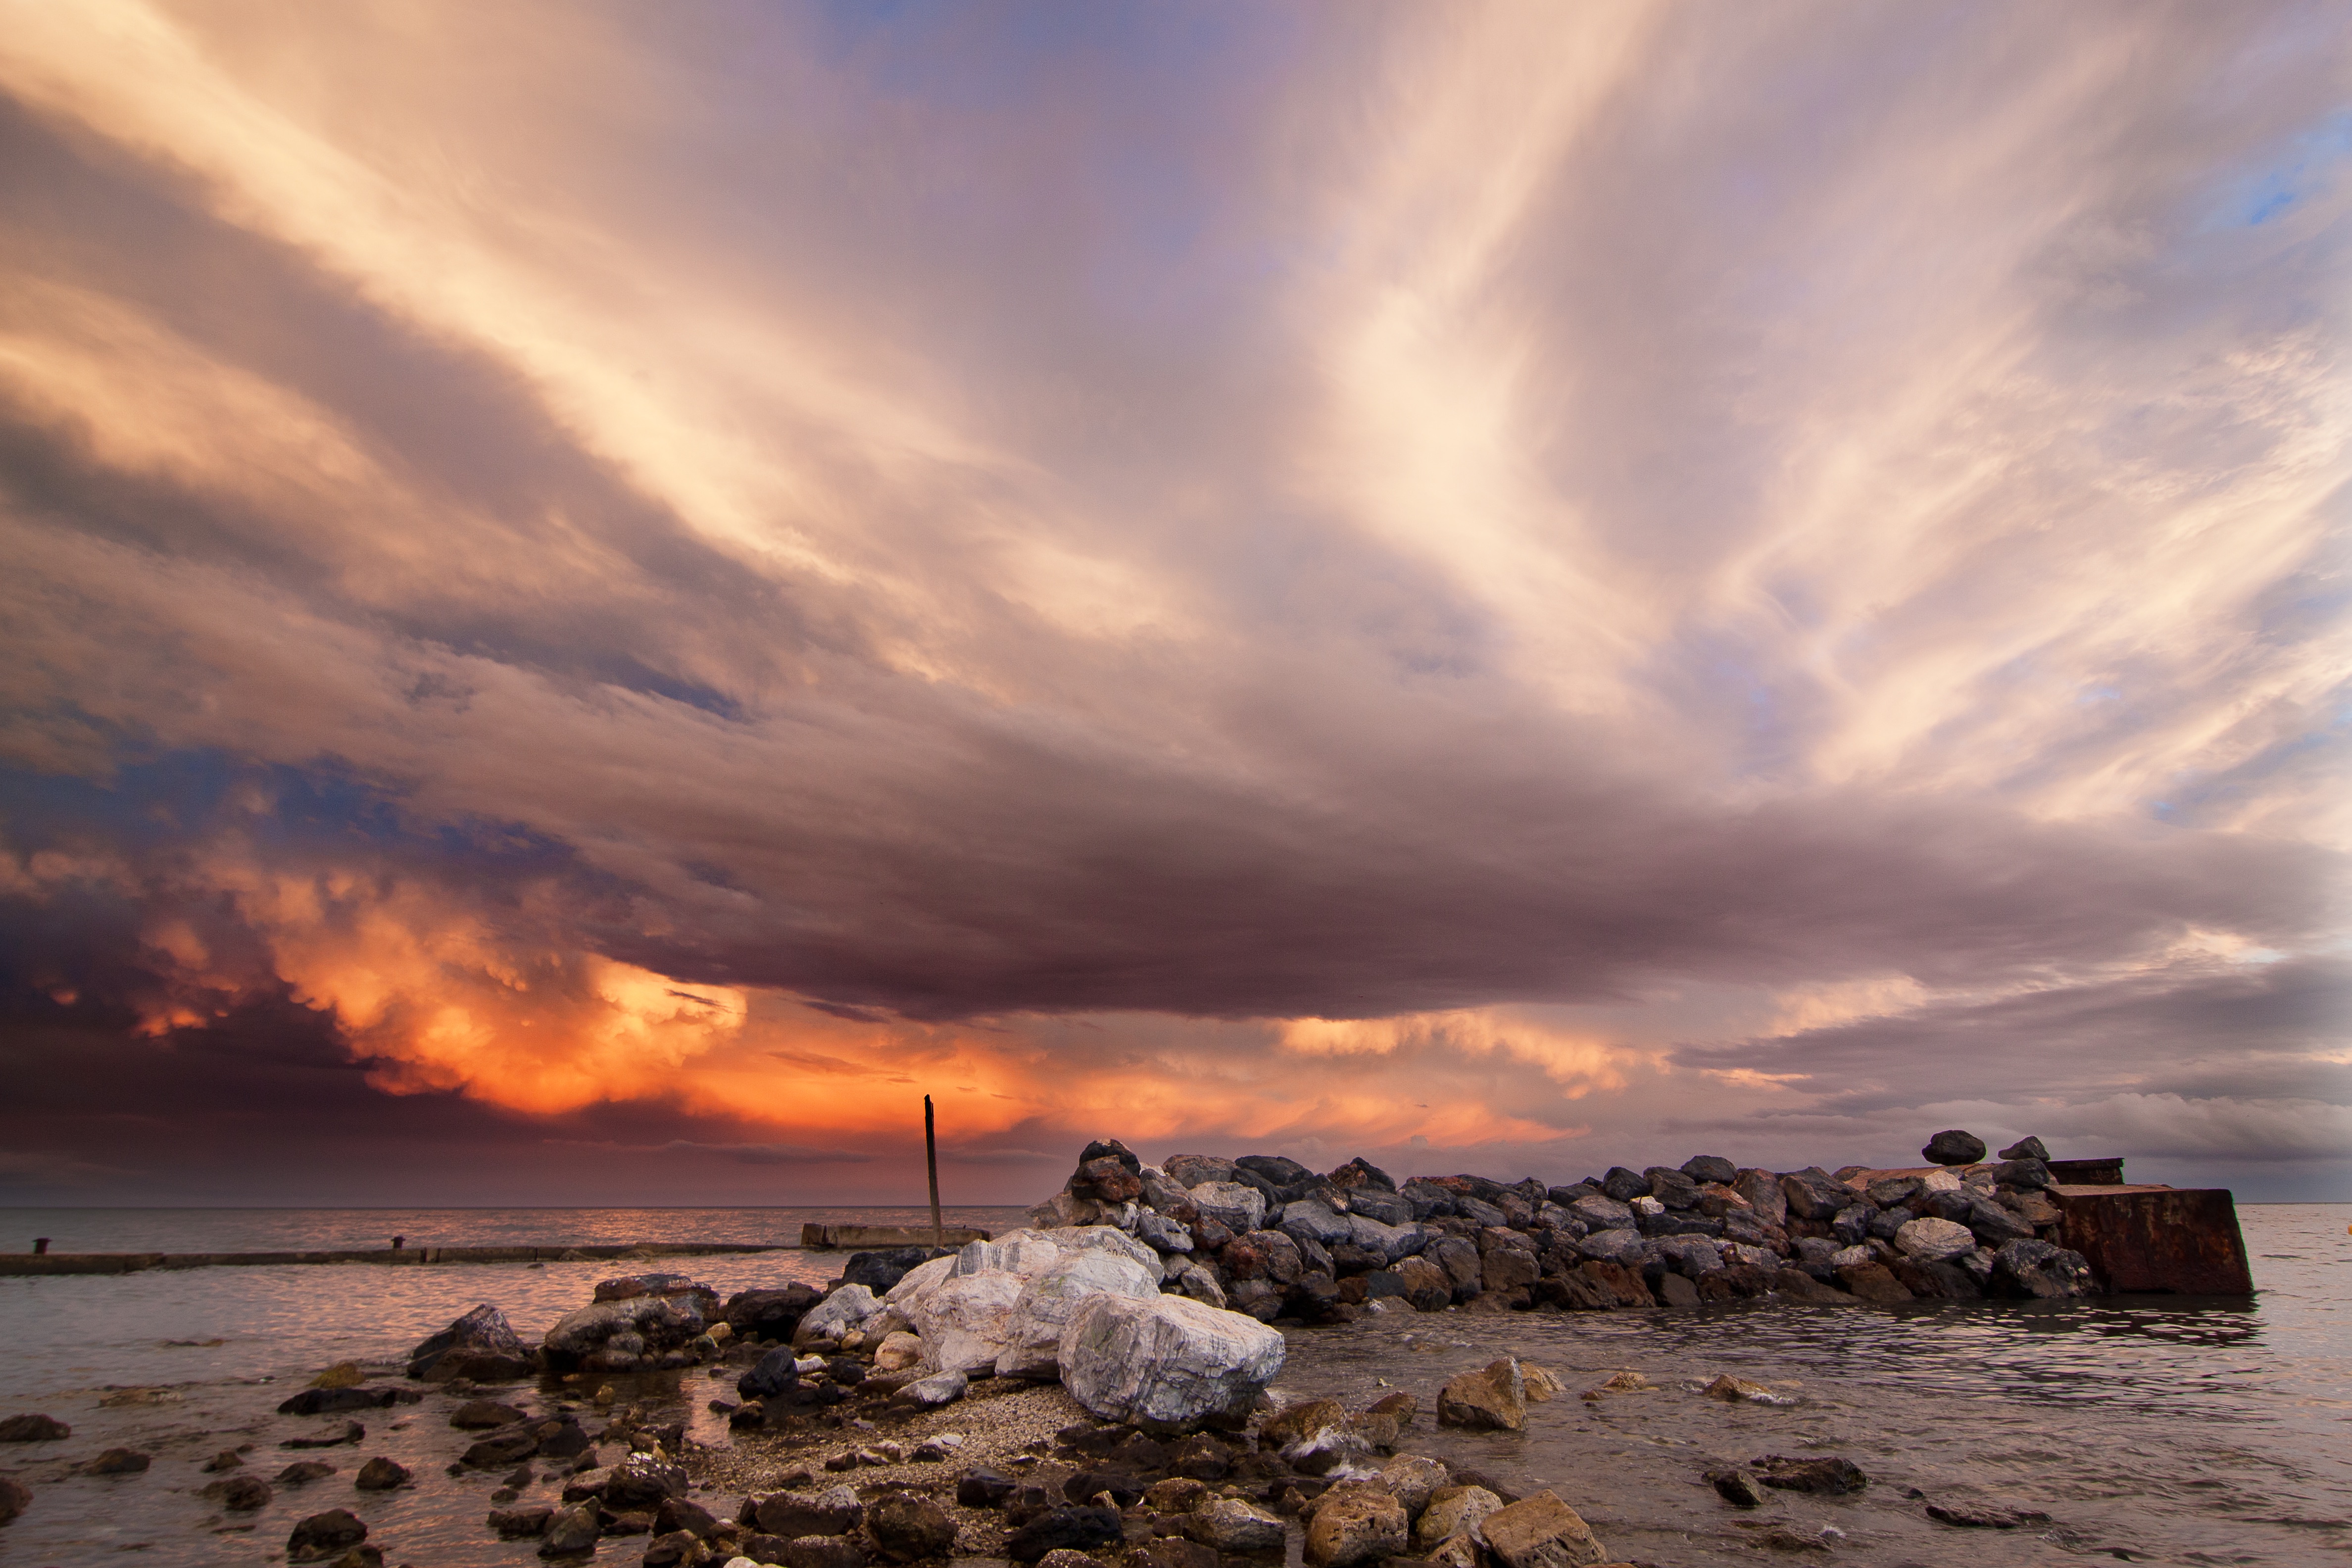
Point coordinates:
[[2173, 1430]]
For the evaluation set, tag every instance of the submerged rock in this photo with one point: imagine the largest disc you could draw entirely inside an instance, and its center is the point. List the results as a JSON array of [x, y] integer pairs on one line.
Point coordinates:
[[481, 1345], [1541, 1531], [1495, 1398], [324, 1535], [34, 1430], [16, 1497]]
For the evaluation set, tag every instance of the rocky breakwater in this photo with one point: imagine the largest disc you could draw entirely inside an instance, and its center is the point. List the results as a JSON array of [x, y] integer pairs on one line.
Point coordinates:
[[1265, 1237]]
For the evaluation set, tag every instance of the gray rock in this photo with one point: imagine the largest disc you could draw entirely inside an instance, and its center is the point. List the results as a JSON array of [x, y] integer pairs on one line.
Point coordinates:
[[1233, 1204], [1690, 1256], [1166, 1362], [1705, 1168], [904, 1528], [1995, 1226], [1671, 1187], [1737, 1488], [930, 1392], [1609, 1246], [1953, 1147], [2037, 1268], [481, 1345], [1065, 1528], [880, 1270], [1602, 1213], [324, 1535], [1232, 1524], [630, 1335], [850, 1307], [1625, 1185], [1162, 1234], [1813, 1194], [777, 1374], [571, 1531], [2026, 1149], [1765, 1198], [521, 1523], [1043, 1308], [2028, 1174], [1191, 1170], [833, 1511], [1932, 1240]]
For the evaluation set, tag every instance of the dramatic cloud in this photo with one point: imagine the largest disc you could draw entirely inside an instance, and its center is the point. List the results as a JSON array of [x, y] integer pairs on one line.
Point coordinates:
[[599, 594]]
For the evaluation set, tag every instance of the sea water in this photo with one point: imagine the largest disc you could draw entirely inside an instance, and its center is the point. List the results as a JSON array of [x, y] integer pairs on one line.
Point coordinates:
[[2148, 1428]]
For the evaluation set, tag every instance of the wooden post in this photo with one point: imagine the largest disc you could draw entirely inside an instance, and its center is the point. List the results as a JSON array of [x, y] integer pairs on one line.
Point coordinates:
[[931, 1160]]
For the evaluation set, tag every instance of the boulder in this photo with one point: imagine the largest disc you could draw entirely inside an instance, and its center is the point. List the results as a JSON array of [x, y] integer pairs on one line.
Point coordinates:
[[1953, 1147], [1453, 1510], [117, 1462], [1493, 1397], [1236, 1525], [1425, 1285], [630, 1286], [1933, 1241], [1813, 1194], [1188, 1171], [1737, 1488], [381, 1475], [965, 1320], [1032, 1333], [16, 1497], [833, 1511], [1761, 1189], [634, 1334], [898, 1351], [1355, 1527], [903, 1527], [2036, 1268], [34, 1430], [571, 1531], [777, 1374], [481, 1345], [1600, 1211], [302, 1472], [2026, 1149], [1237, 1207], [1413, 1479], [324, 1535], [1065, 1528], [483, 1414], [930, 1392], [850, 1307], [644, 1481], [1829, 1476], [770, 1314], [1705, 1168], [880, 1270], [1165, 1363], [1541, 1531], [823, 1551], [2031, 1175], [521, 1523], [238, 1494]]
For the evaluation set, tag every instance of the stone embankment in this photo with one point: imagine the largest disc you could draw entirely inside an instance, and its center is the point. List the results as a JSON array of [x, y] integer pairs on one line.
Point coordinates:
[[1269, 1238]]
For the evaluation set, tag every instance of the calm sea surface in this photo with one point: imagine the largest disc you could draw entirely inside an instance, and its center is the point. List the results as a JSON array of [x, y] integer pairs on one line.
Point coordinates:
[[2150, 1429]]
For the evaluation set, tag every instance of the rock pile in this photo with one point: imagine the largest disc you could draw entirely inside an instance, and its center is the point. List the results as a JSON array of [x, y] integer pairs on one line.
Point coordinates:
[[1269, 1238]]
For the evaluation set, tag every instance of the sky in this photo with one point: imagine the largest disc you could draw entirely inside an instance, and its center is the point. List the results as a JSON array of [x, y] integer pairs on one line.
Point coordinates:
[[595, 599]]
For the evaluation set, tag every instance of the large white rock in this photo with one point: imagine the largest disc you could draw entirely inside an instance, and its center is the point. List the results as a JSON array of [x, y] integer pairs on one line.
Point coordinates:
[[1166, 1362], [918, 1280], [851, 1307], [965, 1320], [1075, 1237], [1930, 1239], [1034, 1335], [1237, 1207]]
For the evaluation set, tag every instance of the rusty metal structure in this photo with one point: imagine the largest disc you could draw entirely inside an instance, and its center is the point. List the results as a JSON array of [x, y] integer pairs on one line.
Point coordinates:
[[2181, 1241]]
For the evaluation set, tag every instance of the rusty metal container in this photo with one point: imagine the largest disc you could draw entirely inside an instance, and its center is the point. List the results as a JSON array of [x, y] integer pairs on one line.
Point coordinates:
[[2176, 1240]]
